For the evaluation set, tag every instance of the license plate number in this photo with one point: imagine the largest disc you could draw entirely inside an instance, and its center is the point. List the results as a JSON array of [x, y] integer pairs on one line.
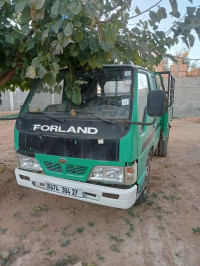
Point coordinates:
[[73, 192]]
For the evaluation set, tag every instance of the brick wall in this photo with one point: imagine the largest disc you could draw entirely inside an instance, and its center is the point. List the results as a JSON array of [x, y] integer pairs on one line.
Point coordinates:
[[179, 69]]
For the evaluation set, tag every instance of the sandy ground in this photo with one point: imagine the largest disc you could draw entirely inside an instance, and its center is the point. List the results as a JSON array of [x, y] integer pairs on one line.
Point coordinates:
[[42, 229]]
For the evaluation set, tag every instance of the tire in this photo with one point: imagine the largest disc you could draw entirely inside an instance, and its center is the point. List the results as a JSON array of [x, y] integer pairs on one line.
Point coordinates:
[[144, 193], [163, 147], [156, 152]]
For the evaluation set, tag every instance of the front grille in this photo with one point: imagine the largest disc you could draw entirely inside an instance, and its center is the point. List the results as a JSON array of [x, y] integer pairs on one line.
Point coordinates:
[[75, 169], [56, 167], [69, 169]]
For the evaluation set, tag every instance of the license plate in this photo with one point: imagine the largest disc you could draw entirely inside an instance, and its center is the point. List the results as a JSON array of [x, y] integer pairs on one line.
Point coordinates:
[[73, 192]]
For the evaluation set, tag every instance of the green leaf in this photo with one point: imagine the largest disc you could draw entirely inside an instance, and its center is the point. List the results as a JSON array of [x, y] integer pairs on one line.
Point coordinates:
[[10, 38], [23, 74], [50, 78], [68, 92], [154, 16], [197, 29], [35, 61], [58, 89], [56, 26], [21, 46], [19, 7], [78, 36], [115, 54], [94, 45], [55, 67], [171, 57], [162, 13], [91, 9], [2, 2], [58, 49], [54, 43], [82, 59], [75, 53], [143, 45], [174, 6], [2, 26], [137, 10], [39, 4], [155, 27], [83, 45], [78, 23], [132, 45], [54, 8], [63, 40], [41, 72], [99, 61], [30, 72], [185, 40], [76, 9], [104, 46], [76, 97], [136, 30], [25, 15], [190, 10], [25, 29], [31, 45], [68, 29], [110, 36], [63, 9], [91, 62], [191, 39], [45, 34]]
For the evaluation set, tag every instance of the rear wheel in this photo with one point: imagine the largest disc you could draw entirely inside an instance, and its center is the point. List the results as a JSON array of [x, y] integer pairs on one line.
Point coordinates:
[[144, 194], [156, 152]]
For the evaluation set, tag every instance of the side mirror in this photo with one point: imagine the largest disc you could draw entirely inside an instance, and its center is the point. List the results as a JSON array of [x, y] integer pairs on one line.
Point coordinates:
[[156, 103]]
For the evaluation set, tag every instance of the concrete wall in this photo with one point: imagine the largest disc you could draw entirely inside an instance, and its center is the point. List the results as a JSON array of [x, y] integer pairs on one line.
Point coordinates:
[[12, 101], [187, 98]]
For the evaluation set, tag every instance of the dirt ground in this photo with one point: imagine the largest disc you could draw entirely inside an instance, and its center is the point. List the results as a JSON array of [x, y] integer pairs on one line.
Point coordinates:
[[37, 228]]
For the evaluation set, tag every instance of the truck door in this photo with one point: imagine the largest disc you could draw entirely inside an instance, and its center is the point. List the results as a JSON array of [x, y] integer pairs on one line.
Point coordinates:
[[145, 133]]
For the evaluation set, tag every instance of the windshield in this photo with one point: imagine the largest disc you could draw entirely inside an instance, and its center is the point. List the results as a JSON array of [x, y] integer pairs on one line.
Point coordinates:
[[105, 93]]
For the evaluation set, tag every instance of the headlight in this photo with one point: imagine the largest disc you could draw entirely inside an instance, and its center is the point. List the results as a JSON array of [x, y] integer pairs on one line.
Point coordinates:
[[28, 163], [108, 174]]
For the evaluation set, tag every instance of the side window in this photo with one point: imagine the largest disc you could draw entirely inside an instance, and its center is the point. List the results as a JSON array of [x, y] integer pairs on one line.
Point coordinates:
[[154, 84], [143, 89]]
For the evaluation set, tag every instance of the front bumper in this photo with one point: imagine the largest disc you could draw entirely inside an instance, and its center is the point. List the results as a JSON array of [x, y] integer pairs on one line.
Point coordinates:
[[107, 196]]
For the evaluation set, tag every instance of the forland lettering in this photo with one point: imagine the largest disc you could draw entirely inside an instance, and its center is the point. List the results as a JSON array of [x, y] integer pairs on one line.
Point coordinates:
[[72, 129]]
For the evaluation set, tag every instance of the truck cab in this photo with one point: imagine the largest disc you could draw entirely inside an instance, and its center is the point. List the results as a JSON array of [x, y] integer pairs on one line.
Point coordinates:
[[99, 150]]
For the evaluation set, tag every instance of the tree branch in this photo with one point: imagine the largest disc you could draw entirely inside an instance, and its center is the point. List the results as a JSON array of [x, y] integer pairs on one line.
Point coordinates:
[[146, 10], [7, 76], [113, 16]]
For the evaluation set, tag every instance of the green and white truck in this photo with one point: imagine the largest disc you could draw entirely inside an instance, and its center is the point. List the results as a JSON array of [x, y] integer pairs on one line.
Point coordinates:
[[98, 151]]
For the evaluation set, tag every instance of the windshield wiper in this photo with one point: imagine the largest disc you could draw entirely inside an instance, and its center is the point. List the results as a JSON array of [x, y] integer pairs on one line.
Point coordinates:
[[45, 115], [108, 120]]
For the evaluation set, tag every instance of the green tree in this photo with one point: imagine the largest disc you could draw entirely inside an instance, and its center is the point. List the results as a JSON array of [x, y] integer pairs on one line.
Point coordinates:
[[38, 37]]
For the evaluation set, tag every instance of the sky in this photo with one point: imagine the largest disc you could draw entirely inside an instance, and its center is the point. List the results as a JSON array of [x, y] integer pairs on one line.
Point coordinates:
[[194, 52]]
